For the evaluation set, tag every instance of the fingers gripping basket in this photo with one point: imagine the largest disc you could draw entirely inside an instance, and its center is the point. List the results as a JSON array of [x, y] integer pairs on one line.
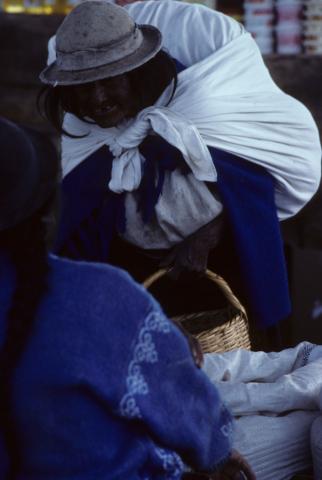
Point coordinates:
[[217, 330]]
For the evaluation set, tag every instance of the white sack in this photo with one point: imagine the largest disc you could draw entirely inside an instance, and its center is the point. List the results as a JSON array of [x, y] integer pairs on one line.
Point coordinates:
[[316, 447], [276, 382], [276, 448], [226, 99], [275, 398]]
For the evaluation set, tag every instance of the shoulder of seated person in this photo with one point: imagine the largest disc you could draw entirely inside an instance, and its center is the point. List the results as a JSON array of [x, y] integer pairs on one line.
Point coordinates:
[[94, 273]]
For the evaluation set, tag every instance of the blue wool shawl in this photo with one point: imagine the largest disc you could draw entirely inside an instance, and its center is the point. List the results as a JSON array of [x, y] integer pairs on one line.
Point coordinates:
[[87, 400]]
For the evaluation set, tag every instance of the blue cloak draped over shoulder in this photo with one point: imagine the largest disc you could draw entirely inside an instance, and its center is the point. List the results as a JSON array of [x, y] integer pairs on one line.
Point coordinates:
[[92, 214]]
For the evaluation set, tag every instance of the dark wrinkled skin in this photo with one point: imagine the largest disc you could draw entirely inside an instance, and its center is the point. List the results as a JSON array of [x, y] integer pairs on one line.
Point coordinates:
[[107, 102], [192, 253], [236, 468]]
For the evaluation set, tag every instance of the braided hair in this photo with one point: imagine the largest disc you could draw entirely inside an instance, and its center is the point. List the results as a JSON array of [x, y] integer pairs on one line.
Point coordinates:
[[29, 174], [26, 245], [148, 82]]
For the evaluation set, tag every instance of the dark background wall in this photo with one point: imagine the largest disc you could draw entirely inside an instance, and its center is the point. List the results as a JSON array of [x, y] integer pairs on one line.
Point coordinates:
[[23, 53]]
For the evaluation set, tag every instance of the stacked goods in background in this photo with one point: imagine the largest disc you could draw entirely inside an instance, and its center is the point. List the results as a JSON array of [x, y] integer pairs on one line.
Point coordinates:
[[259, 20], [38, 6], [312, 27], [275, 25], [279, 26], [63, 6], [289, 26]]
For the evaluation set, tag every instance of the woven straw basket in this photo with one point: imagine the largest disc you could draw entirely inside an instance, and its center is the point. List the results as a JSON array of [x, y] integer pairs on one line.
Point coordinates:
[[217, 330]]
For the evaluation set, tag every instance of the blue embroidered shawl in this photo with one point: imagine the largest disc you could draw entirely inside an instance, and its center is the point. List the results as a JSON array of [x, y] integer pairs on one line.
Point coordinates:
[[88, 401]]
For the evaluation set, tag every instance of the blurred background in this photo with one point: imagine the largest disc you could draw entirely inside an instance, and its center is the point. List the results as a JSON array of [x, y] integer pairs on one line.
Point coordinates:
[[289, 35]]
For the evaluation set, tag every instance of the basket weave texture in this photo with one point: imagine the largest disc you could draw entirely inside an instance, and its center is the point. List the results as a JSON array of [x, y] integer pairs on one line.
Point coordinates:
[[218, 330]]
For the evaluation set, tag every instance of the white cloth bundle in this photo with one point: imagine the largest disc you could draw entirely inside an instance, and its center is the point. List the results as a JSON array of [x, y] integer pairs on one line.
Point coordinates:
[[316, 446], [276, 382], [276, 447], [275, 398], [226, 99]]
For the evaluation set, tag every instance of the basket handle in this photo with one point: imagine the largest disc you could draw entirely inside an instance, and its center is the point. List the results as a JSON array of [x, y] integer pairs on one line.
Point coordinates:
[[219, 281]]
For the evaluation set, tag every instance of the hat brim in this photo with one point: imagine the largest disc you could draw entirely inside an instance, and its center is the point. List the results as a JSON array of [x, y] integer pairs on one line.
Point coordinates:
[[152, 41]]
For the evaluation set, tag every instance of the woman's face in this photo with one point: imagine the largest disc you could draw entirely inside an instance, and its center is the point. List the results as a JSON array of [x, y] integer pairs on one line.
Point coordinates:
[[108, 102]]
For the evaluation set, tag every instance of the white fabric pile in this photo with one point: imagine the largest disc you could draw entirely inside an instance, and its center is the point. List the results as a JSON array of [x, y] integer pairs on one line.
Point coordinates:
[[225, 99], [316, 444], [275, 398]]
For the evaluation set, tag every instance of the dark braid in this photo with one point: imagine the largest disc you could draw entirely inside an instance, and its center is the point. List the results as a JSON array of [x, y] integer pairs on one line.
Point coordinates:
[[26, 246]]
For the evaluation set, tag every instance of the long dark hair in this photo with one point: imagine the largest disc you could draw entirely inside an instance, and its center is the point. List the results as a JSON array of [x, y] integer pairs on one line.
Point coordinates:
[[148, 82], [26, 245]]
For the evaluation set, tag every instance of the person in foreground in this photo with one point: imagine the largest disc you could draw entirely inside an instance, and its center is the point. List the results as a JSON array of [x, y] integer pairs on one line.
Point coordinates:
[[177, 147], [96, 383]]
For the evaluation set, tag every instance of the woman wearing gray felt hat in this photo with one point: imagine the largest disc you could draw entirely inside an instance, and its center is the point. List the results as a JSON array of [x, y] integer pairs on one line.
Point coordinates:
[[107, 67], [107, 70]]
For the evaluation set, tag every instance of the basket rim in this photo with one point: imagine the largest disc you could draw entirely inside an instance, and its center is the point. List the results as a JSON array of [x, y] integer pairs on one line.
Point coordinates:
[[212, 276]]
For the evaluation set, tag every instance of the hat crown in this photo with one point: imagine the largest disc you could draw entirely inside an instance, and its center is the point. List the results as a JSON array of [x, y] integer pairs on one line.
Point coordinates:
[[98, 40], [93, 24]]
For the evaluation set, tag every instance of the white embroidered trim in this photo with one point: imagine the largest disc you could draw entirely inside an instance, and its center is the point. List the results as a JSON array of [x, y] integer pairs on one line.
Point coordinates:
[[227, 430], [144, 352], [171, 462]]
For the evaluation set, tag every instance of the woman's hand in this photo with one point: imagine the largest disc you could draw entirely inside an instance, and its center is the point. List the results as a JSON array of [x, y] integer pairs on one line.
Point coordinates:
[[194, 345], [192, 253], [236, 468]]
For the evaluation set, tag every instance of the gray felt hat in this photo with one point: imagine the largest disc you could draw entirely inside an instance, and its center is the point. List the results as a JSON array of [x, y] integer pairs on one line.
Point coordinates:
[[99, 40]]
